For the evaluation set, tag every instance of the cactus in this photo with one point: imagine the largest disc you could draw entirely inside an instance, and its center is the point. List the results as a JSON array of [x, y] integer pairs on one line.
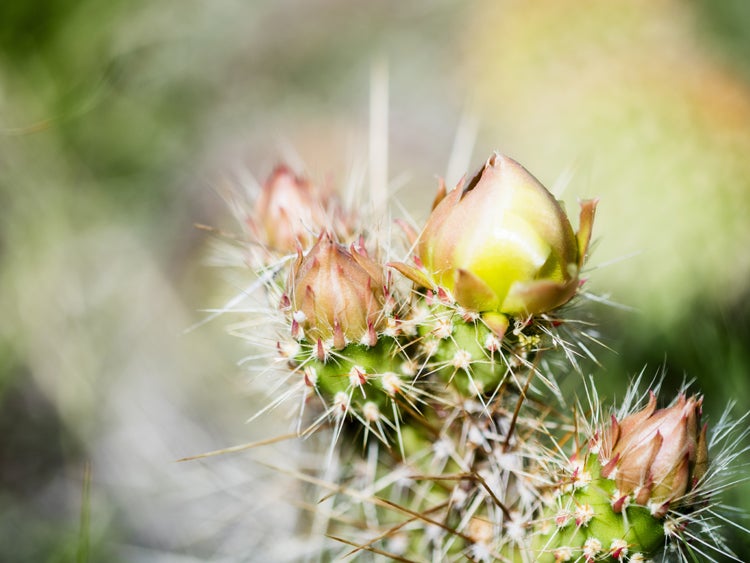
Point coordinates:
[[434, 377]]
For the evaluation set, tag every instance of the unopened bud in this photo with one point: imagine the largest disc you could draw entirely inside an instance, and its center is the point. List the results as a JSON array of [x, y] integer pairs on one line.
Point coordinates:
[[338, 292], [503, 243], [659, 455], [291, 211]]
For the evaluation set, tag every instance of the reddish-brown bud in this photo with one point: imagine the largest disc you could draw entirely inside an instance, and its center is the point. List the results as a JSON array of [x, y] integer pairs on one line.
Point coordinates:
[[337, 293], [658, 454]]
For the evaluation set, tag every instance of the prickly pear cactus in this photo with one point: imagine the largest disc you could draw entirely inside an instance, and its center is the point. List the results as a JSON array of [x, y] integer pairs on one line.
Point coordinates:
[[431, 362]]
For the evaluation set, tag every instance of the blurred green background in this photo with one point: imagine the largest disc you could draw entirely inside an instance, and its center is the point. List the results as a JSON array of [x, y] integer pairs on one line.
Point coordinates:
[[120, 120]]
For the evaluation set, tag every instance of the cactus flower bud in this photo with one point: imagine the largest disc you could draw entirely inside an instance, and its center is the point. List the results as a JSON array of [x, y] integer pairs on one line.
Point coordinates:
[[291, 211], [502, 243], [337, 293], [658, 455]]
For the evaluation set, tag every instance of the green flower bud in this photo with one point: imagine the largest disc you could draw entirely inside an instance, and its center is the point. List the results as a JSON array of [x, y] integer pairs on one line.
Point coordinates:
[[336, 293], [503, 244]]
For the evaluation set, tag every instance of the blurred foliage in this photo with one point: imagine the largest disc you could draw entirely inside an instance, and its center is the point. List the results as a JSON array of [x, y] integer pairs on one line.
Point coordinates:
[[26, 27], [726, 25]]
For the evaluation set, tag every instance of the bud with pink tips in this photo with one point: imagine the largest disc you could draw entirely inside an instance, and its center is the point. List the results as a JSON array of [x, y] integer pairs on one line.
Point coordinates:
[[502, 243], [648, 477], [291, 211], [657, 455], [337, 294]]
